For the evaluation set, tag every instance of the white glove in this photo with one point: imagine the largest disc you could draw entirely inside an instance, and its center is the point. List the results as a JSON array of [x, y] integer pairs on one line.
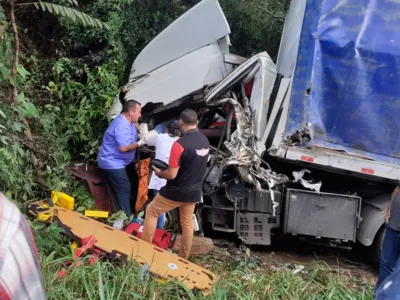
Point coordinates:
[[151, 138], [141, 142], [143, 129]]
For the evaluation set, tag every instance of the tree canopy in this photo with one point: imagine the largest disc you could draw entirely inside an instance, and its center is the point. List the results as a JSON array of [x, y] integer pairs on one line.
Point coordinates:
[[62, 63]]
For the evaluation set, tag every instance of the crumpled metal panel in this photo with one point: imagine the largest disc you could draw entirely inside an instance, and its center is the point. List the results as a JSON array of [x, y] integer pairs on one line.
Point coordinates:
[[346, 83], [263, 70], [289, 47], [95, 182], [298, 177], [200, 26], [180, 77]]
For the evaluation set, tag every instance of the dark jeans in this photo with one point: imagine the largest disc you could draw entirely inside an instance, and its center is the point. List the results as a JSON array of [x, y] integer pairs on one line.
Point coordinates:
[[390, 253], [121, 184], [390, 287]]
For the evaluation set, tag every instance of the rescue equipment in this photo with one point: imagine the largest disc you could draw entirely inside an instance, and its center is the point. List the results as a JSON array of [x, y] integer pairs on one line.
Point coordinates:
[[124, 246], [143, 172], [162, 238]]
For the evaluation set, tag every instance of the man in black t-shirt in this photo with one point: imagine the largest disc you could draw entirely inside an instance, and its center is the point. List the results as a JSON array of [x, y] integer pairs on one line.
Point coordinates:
[[186, 169]]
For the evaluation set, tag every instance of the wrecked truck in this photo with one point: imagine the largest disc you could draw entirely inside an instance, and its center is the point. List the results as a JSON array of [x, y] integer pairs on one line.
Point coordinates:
[[307, 146]]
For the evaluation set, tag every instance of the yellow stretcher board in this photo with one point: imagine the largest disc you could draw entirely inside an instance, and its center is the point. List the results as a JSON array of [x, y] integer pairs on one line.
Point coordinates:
[[163, 264]]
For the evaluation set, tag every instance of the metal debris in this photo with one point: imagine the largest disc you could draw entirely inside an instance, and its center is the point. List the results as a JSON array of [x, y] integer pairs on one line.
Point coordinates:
[[293, 268], [298, 176], [243, 154], [228, 252], [241, 144]]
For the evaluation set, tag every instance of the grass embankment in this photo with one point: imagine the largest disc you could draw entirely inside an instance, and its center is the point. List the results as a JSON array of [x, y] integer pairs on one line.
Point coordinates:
[[237, 279]]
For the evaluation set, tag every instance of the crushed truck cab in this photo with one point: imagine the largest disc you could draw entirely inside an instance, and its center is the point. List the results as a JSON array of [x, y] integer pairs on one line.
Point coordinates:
[[307, 146]]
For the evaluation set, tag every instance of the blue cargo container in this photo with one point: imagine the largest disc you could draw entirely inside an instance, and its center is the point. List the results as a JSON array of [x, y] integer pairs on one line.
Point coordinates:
[[344, 58]]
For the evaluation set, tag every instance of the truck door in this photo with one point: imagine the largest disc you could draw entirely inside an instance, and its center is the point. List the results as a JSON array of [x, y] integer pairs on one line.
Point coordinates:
[[185, 57]]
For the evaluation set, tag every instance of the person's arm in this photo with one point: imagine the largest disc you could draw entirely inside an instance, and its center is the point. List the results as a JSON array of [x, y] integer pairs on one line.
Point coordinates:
[[149, 136], [131, 147], [394, 193], [122, 136], [173, 165], [168, 174]]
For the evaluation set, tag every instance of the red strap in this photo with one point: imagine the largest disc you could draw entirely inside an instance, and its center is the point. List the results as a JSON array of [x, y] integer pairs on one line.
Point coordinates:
[[87, 243]]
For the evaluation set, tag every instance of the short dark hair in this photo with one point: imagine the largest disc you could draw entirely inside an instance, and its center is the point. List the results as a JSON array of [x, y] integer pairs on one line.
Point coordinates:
[[130, 104], [189, 117]]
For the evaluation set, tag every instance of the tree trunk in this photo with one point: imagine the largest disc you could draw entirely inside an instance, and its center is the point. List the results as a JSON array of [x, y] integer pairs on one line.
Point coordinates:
[[14, 69], [14, 73]]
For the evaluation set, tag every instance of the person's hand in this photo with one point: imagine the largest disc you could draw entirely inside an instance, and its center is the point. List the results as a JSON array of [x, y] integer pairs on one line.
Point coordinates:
[[141, 142], [387, 216], [156, 170]]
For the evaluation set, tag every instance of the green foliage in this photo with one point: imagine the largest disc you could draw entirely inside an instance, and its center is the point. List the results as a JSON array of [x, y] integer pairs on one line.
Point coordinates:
[[253, 28], [108, 280], [119, 215], [86, 93], [66, 91], [16, 172], [56, 128], [70, 13], [85, 200], [6, 49], [49, 239]]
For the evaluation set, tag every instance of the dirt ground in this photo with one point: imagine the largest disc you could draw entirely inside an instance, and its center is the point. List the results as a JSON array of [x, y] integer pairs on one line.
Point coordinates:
[[300, 256], [342, 263]]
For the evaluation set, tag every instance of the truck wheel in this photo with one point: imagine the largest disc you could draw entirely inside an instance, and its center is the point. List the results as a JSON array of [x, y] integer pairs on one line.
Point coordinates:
[[376, 247], [172, 220]]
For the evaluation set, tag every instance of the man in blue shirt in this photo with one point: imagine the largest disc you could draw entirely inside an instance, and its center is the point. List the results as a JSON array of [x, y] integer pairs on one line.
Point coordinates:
[[118, 151]]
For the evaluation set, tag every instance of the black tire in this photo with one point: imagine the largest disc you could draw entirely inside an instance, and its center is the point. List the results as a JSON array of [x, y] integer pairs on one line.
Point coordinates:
[[376, 247], [172, 220]]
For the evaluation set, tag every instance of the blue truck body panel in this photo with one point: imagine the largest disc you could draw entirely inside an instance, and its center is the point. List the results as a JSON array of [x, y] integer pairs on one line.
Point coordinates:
[[346, 83]]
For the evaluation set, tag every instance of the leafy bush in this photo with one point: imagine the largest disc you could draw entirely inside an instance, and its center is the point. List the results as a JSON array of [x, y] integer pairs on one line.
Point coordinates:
[[66, 87]]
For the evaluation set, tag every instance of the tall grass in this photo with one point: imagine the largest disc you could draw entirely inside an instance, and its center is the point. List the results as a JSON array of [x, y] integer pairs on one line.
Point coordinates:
[[107, 280], [239, 277]]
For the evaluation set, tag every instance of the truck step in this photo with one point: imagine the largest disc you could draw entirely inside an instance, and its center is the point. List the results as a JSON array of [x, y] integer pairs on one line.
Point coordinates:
[[229, 208], [223, 229]]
